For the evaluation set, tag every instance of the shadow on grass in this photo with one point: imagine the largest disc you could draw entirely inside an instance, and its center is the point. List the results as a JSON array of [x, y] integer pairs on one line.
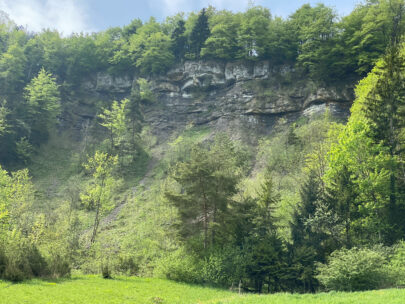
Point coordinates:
[[43, 281]]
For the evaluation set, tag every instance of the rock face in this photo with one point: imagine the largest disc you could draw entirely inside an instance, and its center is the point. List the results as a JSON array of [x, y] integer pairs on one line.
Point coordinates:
[[106, 83], [232, 96]]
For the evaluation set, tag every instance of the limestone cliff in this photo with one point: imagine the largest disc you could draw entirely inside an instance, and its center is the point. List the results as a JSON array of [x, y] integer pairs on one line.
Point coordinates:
[[237, 96]]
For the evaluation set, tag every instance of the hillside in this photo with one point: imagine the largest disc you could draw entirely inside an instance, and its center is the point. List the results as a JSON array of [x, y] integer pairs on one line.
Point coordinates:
[[219, 149]]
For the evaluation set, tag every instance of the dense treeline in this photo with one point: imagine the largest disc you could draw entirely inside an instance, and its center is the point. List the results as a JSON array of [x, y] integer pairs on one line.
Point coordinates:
[[324, 207], [313, 39]]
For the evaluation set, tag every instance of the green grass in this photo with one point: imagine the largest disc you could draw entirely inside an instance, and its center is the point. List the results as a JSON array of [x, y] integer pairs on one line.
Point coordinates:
[[92, 290]]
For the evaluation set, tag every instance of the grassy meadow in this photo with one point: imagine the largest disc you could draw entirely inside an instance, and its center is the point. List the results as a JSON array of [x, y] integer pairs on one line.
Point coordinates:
[[93, 289]]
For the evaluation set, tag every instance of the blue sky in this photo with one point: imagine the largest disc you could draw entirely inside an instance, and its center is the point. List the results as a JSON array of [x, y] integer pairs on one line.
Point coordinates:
[[93, 15]]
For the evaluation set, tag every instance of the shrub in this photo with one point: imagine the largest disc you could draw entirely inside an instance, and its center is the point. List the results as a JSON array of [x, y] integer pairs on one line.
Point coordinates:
[[126, 265], [179, 266], [59, 266], [354, 269], [397, 264], [23, 260], [224, 267]]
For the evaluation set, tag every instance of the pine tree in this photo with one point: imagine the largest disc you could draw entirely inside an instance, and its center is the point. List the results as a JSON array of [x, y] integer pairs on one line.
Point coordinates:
[[341, 196], [306, 247], [310, 193], [179, 40], [208, 181], [268, 199], [199, 34], [268, 256]]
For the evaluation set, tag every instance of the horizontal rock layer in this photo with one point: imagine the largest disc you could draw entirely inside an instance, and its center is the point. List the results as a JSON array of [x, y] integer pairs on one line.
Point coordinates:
[[240, 96]]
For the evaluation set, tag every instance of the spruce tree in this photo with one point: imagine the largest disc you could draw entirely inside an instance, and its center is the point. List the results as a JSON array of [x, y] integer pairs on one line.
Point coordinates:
[[199, 34], [179, 40], [310, 193]]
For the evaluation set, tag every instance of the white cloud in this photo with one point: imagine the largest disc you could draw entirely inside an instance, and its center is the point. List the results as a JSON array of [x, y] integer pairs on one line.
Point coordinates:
[[66, 16]]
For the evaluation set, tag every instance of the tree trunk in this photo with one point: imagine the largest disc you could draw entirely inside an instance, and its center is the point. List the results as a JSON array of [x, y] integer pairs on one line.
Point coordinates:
[[205, 225]]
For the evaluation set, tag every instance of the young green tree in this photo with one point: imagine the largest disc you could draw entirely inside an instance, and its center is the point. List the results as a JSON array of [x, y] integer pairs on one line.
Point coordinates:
[[98, 194], [115, 120], [43, 101]]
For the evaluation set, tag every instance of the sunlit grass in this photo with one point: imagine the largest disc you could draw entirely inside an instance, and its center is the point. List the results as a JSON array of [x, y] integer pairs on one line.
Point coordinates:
[[93, 289]]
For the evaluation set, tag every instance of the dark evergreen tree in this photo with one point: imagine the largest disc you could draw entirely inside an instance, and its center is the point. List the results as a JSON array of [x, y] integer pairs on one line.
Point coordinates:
[[341, 196], [179, 40], [268, 256], [301, 232], [130, 29], [306, 247], [199, 34], [208, 181]]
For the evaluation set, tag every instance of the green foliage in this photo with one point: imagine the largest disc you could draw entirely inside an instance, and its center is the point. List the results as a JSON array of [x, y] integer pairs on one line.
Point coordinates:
[[253, 33], [179, 266], [179, 40], [123, 124], [150, 49], [315, 29], [366, 32], [43, 101], [325, 186], [12, 67], [115, 121], [4, 126], [24, 149], [199, 34], [98, 195], [23, 260], [397, 263], [208, 180], [145, 92], [354, 269], [368, 155], [222, 42]]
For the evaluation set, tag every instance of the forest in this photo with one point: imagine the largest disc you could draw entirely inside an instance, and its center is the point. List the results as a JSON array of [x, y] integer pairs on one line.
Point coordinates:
[[317, 204]]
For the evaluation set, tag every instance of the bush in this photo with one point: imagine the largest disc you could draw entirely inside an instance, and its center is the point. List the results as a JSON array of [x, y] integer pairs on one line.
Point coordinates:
[[397, 264], [179, 266], [126, 265], [23, 261], [354, 269], [59, 266], [224, 267]]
